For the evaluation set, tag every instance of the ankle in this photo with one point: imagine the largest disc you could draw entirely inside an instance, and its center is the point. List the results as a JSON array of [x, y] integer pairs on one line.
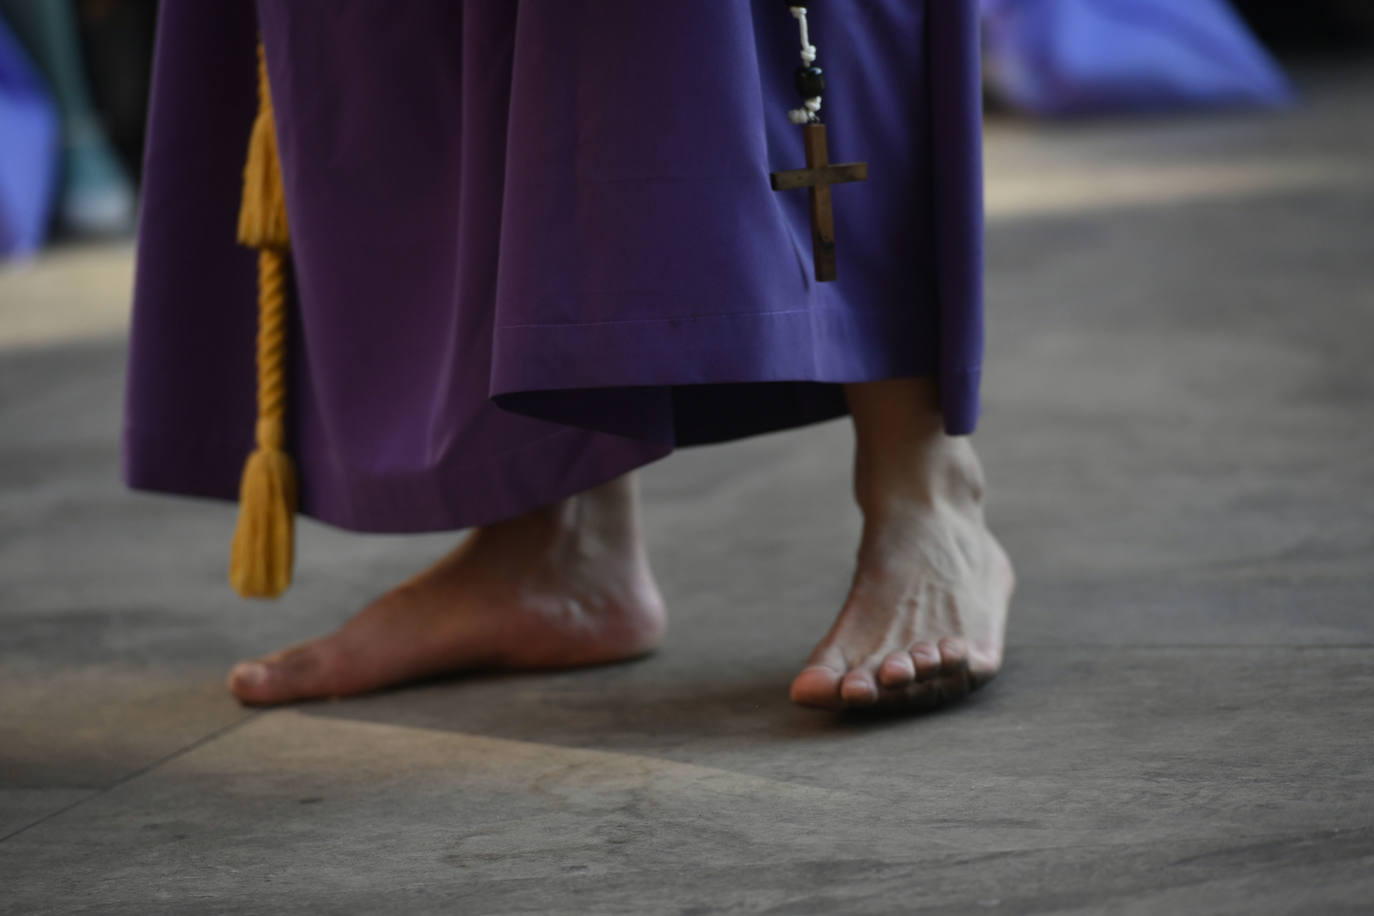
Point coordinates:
[[606, 516], [904, 460], [941, 472]]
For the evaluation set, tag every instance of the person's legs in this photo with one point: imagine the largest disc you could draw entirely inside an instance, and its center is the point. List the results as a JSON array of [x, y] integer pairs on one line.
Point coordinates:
[[925, 617], [562, 586], [570, 585]]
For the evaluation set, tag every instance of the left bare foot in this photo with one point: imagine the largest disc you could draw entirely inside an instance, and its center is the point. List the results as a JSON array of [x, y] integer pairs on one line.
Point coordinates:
[[563, 586]]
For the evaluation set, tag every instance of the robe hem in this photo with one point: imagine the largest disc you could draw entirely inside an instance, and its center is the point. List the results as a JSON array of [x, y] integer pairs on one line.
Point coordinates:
[[536, 366]]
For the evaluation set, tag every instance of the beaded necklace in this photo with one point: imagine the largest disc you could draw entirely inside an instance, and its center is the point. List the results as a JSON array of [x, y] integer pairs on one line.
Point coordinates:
[[819, 173]]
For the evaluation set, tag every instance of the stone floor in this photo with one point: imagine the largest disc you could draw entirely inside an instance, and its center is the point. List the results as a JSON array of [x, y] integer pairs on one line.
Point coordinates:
[[1179, 430]]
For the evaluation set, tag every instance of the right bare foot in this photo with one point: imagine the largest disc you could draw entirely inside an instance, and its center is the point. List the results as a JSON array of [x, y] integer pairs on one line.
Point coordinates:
[[563, 586], [926, 616]]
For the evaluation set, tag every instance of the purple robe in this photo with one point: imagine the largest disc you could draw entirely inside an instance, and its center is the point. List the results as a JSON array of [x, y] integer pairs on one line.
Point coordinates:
[[535, 245]]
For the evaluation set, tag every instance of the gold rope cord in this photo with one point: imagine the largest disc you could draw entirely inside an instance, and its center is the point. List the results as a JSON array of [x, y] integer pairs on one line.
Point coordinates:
[[263, 549]]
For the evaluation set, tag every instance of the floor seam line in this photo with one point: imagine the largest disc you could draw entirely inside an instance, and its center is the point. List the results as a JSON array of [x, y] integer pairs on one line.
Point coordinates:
[[128, 777]]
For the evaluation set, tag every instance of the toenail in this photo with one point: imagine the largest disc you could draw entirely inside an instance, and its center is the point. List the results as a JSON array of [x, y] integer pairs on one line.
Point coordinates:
[[858, 690], [250, 674]]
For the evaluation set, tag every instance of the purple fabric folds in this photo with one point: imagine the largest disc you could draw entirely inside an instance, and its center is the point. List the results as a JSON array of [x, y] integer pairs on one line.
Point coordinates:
[[1069, 57], [535, 244]]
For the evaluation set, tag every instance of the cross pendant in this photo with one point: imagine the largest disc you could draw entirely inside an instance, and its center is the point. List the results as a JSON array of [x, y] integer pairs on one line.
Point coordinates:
[[818, 176]]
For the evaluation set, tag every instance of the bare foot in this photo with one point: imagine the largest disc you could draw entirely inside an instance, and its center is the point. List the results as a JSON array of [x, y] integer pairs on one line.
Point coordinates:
[[926, 615], [563, 586]]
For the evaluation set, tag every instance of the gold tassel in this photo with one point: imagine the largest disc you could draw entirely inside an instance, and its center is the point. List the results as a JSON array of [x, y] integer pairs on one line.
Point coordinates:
[[263, 549], [262, 213]]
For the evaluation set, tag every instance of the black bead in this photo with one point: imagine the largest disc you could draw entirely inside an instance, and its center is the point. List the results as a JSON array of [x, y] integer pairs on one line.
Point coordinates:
[[809, 82]]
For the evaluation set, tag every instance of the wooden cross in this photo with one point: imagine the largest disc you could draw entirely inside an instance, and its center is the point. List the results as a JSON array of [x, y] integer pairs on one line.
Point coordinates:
[[819, 175]]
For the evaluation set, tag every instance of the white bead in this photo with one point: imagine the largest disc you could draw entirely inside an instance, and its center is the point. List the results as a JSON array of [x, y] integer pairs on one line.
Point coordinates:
[[807, 113]]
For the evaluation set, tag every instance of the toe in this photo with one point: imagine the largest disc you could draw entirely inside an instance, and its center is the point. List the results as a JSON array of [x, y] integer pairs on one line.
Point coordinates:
[[295, 674], [858, 688], [897, 670], [983, 665], [819, 686], [953, 657], [954, 681], [925, 656], [980, 675], [247, 680]]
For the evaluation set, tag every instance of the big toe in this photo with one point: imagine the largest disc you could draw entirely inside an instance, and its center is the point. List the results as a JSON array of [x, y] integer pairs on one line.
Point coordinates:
[[819, 686], [296, 674]]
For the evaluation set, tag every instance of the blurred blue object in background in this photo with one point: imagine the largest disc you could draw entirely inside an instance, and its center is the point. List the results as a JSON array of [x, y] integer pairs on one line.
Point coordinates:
[[30, 133], [1075, 57]]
